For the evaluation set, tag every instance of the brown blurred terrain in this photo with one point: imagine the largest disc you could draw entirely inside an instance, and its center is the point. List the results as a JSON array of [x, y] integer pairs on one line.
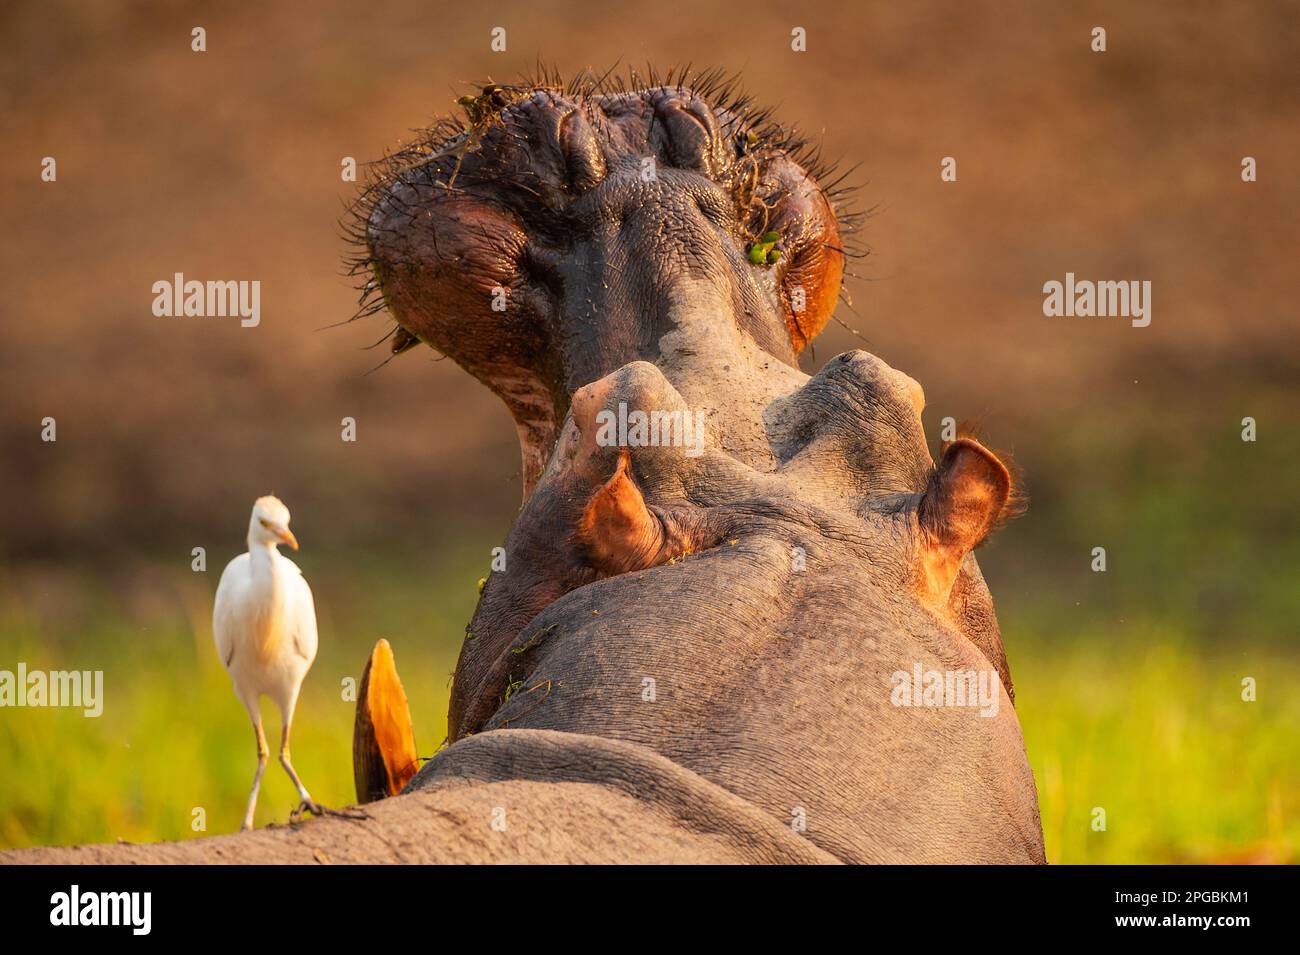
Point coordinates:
[[225, 165]]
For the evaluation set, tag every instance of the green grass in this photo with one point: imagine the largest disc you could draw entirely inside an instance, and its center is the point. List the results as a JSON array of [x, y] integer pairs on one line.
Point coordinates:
[[1128, 682], [172, 737], [1154, 731], [1149, 728]]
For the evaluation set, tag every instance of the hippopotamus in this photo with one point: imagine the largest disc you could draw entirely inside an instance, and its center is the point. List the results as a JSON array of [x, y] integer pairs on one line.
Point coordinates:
[[735, 605]]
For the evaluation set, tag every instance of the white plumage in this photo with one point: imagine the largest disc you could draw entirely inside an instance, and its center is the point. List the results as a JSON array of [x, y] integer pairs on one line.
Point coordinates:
[[264, 624]]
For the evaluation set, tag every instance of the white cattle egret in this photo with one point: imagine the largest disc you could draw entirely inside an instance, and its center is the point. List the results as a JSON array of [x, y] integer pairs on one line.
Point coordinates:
[[264, 623]]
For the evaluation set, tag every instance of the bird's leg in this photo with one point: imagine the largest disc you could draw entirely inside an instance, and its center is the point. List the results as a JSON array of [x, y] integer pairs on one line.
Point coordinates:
[[262, 752], [307, 802]]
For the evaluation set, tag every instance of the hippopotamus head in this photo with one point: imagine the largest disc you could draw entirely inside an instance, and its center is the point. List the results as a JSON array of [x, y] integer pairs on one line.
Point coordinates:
[[753, 573], [570, 232]]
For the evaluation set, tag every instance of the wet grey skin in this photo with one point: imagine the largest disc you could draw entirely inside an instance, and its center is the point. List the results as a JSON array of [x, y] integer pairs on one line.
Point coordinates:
[[791, 569]]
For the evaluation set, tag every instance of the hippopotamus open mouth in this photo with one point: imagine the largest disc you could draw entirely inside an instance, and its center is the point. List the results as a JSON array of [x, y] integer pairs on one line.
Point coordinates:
[[626, 267]]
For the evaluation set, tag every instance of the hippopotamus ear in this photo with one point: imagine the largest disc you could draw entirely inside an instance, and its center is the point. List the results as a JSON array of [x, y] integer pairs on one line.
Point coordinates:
[[967, 494], [619, 532]]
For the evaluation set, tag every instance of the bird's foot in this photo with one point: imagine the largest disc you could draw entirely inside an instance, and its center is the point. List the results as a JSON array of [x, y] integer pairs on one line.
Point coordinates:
[[306, 806], [316, 809]]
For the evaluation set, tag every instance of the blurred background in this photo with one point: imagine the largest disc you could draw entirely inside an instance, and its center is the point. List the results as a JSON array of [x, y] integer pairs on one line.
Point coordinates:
[[226, 165]]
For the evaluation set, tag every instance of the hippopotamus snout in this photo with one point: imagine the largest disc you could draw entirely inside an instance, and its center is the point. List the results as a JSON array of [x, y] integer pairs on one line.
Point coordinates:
[[565, 232]]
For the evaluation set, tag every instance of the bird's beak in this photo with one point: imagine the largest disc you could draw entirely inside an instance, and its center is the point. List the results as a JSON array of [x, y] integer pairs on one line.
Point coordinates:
[[285, 535]]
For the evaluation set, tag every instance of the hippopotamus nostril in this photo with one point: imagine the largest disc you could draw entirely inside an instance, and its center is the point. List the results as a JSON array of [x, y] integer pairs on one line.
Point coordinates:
[[689, 138], [583, 159]]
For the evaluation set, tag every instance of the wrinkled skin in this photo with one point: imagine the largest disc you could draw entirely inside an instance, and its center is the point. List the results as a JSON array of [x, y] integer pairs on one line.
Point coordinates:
[[771, 676], [772, 683]]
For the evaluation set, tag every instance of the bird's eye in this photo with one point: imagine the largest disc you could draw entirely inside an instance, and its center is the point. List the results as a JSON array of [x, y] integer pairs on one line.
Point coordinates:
[[264, 522]]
